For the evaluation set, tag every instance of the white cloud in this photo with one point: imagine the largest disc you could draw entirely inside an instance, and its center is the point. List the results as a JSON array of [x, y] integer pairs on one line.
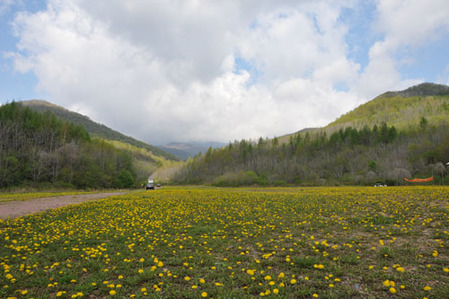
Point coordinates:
[[403, 24], [192, 37], [294, 42], [5, 5], [311, 102], [164, 71], [413, 22]]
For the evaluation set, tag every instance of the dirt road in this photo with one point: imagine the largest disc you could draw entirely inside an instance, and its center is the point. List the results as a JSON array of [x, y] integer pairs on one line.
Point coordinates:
[[12, 209]]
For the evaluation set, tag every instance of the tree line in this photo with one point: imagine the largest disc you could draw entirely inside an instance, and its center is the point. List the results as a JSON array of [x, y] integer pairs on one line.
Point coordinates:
[[347, 156], [41, 150]]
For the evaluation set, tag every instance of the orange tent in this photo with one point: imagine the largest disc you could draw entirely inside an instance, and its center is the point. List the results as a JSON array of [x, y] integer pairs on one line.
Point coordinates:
[[419, 180]]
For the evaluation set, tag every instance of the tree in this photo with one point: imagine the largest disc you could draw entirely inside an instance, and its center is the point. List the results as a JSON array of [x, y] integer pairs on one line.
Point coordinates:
[[423, 123], [440, 169], [36, 149], [125, 179]]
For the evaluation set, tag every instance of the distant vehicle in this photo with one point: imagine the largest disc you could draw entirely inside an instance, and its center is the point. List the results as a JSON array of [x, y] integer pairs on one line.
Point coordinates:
[[379, 185], [158, 185], [150, 185]]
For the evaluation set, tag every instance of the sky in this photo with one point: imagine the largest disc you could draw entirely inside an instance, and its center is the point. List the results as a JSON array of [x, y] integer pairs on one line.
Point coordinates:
[[213, 70]]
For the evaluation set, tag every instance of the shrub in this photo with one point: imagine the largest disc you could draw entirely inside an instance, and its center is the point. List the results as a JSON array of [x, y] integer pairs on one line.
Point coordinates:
[[235, 179]]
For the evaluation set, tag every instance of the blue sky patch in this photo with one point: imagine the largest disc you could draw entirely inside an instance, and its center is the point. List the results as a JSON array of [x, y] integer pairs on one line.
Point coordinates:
[[240, 64]]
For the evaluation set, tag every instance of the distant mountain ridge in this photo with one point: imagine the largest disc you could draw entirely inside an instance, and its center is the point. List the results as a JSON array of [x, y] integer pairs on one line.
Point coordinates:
[[93, 128], [424, 89], [186, 150]]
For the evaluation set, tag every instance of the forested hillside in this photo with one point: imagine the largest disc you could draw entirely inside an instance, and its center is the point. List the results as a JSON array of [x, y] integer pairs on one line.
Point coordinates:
[[381, 141], [401, 109], [41, 150], [95, 129]]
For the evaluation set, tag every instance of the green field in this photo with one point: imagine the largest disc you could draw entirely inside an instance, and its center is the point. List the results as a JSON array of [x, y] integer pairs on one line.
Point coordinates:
[[230, 243]]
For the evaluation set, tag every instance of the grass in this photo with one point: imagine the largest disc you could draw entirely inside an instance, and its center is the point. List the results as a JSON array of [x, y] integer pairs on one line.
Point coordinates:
[[236, 242]]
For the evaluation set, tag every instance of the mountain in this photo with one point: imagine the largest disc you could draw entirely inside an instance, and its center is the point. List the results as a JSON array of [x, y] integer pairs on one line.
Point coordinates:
[[186, 150], [424, 89], [93, 128], [146, 159], [397, 134], [401, 109]]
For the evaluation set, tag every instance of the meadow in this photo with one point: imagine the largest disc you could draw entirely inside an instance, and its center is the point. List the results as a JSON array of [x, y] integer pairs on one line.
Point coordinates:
[[234, 242]]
